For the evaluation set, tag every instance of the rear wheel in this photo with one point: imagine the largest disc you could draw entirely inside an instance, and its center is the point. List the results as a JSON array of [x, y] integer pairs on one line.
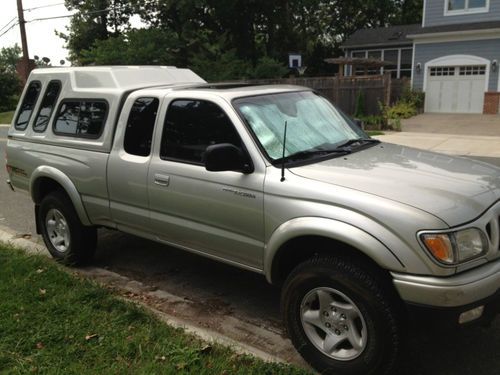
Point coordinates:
[[341, 317], [66, 238]]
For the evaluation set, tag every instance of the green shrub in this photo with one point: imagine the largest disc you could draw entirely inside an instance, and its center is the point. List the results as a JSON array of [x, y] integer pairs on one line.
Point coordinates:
[[373, 122], [401, 110], [359, 110], [417, 98]]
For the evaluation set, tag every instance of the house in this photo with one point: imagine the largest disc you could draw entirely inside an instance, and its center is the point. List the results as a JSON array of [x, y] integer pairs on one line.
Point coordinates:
[[454, 54]]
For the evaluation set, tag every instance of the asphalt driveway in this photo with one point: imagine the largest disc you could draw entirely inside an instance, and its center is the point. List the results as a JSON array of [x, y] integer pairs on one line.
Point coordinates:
[[457, 124]]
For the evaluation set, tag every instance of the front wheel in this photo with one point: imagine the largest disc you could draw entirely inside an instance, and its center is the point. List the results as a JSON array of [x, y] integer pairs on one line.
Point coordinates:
[[341, 317], [66, 238]]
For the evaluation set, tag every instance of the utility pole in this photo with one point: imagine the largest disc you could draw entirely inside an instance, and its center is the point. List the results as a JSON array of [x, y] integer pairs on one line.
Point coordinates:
[[25, 59]]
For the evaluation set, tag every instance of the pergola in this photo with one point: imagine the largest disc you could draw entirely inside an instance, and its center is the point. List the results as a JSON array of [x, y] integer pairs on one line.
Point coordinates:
[[357, 62]]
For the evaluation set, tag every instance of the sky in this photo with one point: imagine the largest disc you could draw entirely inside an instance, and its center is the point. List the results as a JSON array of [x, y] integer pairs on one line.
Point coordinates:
[[42, 40]]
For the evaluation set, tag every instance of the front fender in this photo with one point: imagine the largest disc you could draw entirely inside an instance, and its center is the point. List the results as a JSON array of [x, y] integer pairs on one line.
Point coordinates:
[[66, 183], [335, 230]]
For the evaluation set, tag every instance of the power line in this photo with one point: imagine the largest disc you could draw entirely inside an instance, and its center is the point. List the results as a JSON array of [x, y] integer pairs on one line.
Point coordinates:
[[43, 6], [8, 23], [76, 14], [10, 28]]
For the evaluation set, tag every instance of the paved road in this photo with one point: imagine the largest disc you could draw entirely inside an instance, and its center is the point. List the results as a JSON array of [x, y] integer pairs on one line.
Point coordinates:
[[247, 295]]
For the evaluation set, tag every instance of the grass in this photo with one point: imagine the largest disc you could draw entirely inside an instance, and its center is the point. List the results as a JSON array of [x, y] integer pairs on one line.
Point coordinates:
[[371, 133], [53, 322], [6, 117]]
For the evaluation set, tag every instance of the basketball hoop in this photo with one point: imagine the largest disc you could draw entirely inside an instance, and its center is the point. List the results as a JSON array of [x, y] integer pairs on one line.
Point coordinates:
[[301, 70]]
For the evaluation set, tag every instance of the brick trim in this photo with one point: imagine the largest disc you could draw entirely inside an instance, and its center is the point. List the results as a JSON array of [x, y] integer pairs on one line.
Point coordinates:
[[491, 103]]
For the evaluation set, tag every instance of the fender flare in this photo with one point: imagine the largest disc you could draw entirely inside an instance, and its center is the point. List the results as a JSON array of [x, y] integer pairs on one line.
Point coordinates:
[[68, 186], [335, 230]]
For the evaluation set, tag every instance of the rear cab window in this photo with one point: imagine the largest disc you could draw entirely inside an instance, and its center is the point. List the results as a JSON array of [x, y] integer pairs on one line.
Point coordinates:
[[28, 105], [84, 118], [46, 108], [140, 126]]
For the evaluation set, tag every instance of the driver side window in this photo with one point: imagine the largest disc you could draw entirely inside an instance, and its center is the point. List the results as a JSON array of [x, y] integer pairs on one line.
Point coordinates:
[[193, 125]]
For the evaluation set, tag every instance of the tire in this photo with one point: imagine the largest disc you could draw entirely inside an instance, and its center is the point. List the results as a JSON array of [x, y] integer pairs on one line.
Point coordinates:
[[66, 238], [342, 316]]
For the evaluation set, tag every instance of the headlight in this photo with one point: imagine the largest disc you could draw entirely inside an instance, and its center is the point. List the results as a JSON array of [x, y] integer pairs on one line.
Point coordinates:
[[456, 247]]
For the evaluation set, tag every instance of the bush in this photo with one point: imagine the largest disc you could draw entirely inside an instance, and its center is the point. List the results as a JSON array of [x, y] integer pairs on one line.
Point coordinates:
[[401, 110], [373, 122], [10, 87], [359, 110], [416, 98]]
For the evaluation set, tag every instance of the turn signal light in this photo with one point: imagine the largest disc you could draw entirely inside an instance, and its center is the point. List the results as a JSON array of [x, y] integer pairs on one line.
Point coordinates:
[[440, 246]]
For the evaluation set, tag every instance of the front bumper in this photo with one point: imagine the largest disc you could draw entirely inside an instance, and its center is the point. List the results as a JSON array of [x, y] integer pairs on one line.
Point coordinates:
[[454, 291], [450, 317]]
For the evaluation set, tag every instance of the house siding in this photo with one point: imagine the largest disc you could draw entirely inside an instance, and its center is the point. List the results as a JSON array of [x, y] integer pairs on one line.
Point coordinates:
[[488, 49], [434, 14]]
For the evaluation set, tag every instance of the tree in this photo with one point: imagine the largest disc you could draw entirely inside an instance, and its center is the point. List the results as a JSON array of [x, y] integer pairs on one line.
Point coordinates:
[[10, 84], [135, 47], [411, 11], [95, 20], [201, 33], [43, 62]]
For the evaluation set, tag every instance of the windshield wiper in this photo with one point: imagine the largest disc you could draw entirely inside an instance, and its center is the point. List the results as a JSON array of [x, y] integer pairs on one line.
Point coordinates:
[[360, 141], [307, 154]]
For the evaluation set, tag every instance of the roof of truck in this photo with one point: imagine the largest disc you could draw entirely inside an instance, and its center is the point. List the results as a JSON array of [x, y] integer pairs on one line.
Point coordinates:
[[228, 91]]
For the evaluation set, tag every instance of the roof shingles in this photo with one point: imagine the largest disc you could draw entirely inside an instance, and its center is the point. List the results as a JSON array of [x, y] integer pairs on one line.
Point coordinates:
[[386, 36], [398, 35]]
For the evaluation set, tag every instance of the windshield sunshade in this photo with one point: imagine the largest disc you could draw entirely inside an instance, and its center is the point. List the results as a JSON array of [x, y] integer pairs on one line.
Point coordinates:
[[313, 123]]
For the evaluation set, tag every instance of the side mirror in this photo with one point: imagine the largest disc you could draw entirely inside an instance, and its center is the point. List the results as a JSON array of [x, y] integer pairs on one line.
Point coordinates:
[[226, 157]]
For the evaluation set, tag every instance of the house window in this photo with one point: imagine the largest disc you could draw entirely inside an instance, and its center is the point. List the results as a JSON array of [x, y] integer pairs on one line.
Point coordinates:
[[440, 71], [376, 55], [405, 63], [358, 71], [400, 62], [473, 70], [465, 6], [391, 56]]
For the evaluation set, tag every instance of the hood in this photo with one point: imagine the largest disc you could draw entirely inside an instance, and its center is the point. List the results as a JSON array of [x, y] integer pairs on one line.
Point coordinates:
[[454, 189]]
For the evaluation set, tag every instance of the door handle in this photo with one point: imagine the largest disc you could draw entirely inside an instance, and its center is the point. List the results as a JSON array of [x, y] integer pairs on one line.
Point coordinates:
[[162, 180]]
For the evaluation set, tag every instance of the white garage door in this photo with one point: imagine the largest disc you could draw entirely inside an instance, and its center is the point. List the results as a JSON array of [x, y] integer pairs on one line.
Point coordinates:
[[455, 89]]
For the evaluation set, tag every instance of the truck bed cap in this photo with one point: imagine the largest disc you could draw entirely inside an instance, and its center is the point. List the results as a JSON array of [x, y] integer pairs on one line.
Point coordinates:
[[122, 77]]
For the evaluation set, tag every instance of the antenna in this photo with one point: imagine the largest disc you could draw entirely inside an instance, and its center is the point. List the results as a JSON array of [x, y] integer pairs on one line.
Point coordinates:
[[283, 157]]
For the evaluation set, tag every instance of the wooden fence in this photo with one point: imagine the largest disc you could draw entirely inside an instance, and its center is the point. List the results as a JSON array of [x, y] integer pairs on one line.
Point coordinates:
[[343, 91]]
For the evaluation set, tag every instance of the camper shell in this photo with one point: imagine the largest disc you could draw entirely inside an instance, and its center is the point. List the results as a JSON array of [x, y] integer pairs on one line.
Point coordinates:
[[107, 85]]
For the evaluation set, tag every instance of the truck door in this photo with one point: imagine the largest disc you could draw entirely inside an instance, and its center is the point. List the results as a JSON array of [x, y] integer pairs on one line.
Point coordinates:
[[128, 164], [217, 213]]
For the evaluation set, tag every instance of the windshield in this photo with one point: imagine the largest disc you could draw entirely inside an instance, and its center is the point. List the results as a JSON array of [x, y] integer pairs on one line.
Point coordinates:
[[313, 123]]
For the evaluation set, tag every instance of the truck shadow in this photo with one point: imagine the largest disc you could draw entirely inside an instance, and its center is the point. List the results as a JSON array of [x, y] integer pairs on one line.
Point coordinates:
[[246, 295]]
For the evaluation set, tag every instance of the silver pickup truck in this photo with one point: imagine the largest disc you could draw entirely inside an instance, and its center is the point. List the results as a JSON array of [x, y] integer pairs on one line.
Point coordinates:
[[272, 179]]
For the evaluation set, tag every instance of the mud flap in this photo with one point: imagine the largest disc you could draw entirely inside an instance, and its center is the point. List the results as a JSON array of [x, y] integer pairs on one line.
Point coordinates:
[[37, 223]]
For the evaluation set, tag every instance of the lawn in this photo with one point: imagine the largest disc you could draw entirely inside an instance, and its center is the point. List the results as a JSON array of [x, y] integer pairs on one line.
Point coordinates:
[[54, 322], [6, 117], [371, 133]]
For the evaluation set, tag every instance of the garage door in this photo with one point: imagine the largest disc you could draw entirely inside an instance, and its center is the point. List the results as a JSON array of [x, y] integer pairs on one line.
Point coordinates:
[[455, 89]]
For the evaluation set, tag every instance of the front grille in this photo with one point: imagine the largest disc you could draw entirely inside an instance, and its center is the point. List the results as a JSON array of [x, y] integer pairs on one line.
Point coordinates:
[[492, 229]]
